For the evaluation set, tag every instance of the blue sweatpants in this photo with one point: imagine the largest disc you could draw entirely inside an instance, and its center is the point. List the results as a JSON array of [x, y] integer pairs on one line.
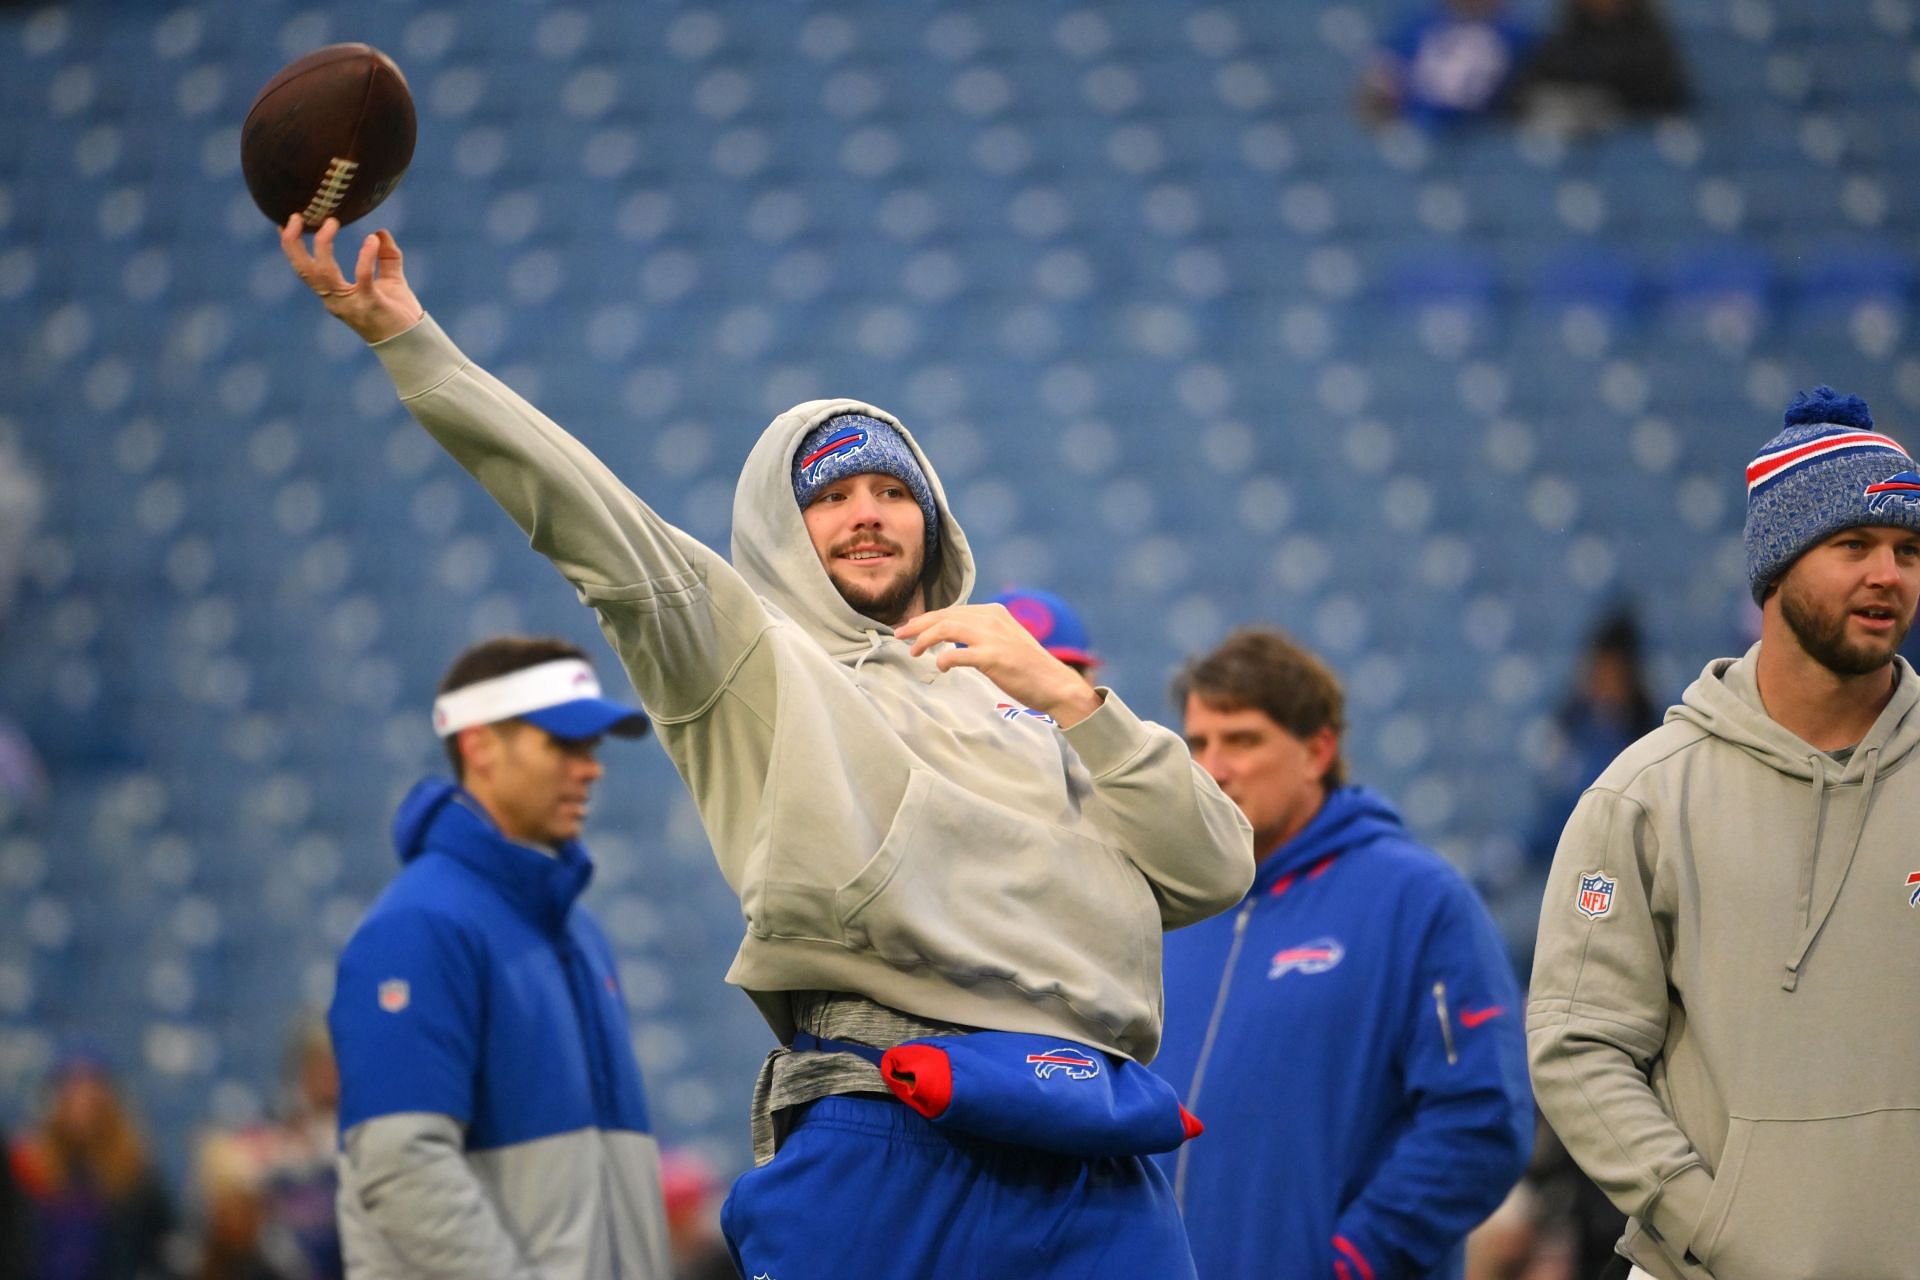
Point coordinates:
[[866, 1187]]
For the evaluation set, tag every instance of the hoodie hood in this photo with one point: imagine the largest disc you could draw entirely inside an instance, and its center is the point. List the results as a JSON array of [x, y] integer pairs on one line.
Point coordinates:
[[773, 553], [1725, 702], [438, 816], [1350, 817]]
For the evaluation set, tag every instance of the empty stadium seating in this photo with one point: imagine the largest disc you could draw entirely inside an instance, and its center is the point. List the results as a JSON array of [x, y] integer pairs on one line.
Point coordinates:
[[1191, 346]]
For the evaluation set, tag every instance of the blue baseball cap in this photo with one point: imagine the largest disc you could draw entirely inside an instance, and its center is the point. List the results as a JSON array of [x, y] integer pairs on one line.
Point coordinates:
[[1052, 622]]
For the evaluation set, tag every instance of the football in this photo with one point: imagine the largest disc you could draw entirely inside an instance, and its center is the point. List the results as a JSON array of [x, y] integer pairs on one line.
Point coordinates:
[[330, 135]]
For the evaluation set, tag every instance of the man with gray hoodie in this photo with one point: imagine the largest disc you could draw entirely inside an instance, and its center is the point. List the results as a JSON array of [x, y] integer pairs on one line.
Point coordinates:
[[1723, 1023], [934, 827]]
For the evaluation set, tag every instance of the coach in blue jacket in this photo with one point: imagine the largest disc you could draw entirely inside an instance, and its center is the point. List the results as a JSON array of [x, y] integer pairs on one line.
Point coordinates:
[[1352, 1034], [493, 1125]]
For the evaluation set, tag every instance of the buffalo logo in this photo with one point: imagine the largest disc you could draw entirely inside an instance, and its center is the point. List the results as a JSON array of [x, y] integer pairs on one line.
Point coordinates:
[[1075, 1064], [1596, 895], [395, 995], [1897, 493], [1009, 711], [1913, 884], [847, 441], [1317, 956]]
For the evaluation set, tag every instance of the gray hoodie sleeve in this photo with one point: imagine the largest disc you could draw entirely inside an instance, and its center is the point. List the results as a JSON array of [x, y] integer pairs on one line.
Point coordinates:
[[1174, 823], [408, 1175], [1597, 1019], [679, 615]]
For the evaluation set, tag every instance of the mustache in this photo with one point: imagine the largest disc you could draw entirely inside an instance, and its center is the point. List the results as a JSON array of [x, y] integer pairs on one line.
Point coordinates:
[[871, 541]]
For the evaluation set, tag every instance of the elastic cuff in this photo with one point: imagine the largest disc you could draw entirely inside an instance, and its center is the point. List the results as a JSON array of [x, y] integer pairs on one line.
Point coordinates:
[[419, 359], [1109, 737], [1675, 1213]]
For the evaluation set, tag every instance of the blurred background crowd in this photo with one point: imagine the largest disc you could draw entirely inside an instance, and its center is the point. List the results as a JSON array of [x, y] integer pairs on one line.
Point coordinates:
[[1435, 331]]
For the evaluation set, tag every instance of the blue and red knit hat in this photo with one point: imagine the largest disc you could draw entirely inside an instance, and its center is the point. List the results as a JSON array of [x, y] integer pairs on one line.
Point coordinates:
[[853, 444], [1828, 471]]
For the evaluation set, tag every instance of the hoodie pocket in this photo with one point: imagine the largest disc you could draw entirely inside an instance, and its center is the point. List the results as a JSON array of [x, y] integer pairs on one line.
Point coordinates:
[[983, 892], [1795, 1199]]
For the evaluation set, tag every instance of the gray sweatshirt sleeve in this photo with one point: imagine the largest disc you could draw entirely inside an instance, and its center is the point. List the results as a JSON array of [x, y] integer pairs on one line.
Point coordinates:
[[680, 617], [407, 1174], [1191, 843], [1597, 1018]]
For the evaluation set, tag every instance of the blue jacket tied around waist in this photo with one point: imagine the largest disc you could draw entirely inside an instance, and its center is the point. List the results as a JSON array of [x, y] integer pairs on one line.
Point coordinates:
[[476, 989], [1365, 1089]]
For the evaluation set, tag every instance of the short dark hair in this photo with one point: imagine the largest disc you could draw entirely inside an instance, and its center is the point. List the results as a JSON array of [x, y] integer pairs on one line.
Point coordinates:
[[1262, 669], [496, 657]]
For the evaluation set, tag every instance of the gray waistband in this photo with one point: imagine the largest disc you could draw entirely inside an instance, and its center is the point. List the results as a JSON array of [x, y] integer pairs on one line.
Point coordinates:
[[788, 1079]]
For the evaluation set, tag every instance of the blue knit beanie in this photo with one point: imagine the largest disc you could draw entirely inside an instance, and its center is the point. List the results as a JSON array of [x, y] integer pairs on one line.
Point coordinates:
[[1828, 471], [853, 444]]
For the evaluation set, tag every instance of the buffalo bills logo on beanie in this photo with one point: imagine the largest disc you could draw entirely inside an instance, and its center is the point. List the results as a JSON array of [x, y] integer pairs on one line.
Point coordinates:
[[853, 444], [1828, 471]]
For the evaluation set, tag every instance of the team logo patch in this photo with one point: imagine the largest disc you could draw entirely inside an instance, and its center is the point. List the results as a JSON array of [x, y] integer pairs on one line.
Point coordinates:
[[395, 995], [847, 441], [1317, 956], [1075, 1064], [1900, 492], [1913, 889], [1596, 895], [1009, 711]]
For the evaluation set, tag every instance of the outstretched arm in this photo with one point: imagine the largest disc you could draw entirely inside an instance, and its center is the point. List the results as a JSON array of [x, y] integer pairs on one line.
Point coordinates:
[[681, 619]]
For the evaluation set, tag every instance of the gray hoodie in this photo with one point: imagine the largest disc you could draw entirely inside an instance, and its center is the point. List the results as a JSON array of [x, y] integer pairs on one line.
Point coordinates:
[[891, 829], [1724, 1024]]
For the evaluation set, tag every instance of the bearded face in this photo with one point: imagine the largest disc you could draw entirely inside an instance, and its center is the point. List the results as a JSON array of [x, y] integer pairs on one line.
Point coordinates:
[[870, 535]]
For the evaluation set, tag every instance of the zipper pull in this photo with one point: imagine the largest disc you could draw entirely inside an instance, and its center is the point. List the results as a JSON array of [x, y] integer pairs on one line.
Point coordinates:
[[1446, 1024]]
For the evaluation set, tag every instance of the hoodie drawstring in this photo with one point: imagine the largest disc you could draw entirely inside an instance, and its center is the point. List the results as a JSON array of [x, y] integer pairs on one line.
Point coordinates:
[[873, 646], [1809, 922]]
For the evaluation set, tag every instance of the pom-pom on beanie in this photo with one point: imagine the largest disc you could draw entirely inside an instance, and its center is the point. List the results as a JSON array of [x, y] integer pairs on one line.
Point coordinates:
[[1828, 471]]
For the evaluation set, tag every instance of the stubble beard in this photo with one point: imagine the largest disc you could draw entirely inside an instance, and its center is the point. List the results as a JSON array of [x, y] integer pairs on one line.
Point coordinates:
[[1822, 633], [888, 604]]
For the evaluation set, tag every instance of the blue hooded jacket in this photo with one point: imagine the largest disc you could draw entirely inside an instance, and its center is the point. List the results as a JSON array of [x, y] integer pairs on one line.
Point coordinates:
[[476, 988], [1352, 1038]]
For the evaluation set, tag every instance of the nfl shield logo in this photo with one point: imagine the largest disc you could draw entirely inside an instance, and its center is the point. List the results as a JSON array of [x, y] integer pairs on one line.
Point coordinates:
[[394, 994], [1596, 895]]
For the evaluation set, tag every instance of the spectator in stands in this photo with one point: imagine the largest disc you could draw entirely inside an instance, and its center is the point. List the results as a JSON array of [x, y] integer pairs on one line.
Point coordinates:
[[1053, 622], [1575, 1215], [692, 1192], [95, 1205], [1507, 1245], [1605, 61], [1351, 1035], [237, 1239], [492, 1117], [1609, 708], [301, 1180], [1449, 63], [13, 1219]]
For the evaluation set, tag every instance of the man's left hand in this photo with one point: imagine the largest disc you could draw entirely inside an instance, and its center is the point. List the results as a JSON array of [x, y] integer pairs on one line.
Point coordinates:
[[1007, 654]]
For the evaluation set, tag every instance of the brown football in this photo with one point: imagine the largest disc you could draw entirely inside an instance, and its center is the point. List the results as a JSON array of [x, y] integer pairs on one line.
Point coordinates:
[[330, 135]]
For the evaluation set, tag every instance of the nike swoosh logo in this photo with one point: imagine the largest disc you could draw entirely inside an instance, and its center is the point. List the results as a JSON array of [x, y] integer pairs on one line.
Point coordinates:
[[1474, 1017]]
